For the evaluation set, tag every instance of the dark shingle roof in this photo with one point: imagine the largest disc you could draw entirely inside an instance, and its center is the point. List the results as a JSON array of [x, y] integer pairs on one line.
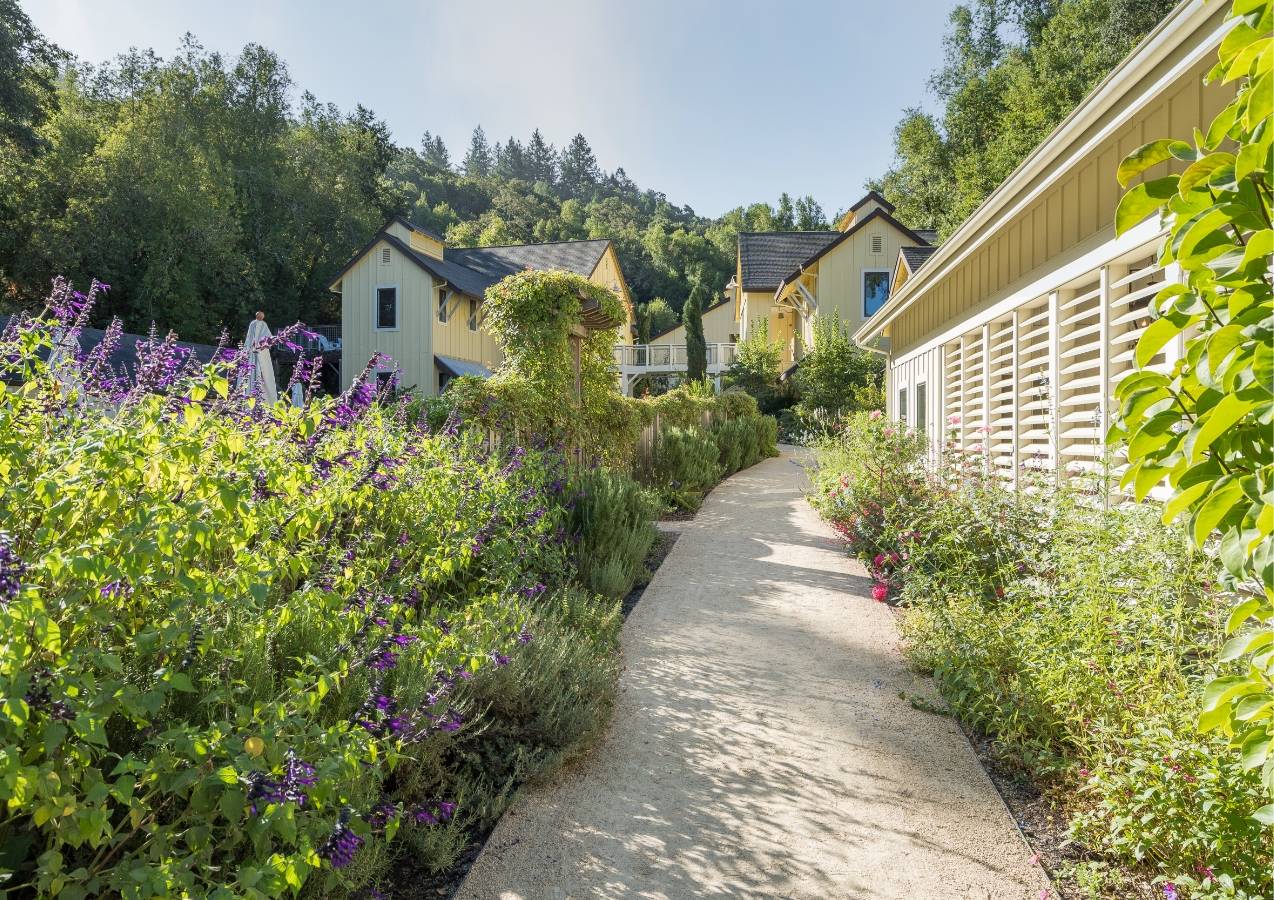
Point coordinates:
[[471, 270], [494, 263], [916, 256], [929, 234], [766, 257]]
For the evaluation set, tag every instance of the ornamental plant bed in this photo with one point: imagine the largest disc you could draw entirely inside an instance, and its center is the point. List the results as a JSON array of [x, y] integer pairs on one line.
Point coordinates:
[[251, 650], [1076, 641]]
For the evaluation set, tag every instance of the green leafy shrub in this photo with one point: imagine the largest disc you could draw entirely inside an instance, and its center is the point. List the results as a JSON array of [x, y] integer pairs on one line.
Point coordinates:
[[686, 466], [534, 394], [249, 650], [612, 517], [745, 442], [1076, 638], [1207, 426]]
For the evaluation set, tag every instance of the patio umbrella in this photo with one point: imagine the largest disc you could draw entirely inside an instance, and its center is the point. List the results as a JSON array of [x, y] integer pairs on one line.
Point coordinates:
[[261, 367]]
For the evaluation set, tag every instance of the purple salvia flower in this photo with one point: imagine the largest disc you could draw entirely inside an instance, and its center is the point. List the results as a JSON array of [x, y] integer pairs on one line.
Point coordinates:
[[12, 569], [340, 846]]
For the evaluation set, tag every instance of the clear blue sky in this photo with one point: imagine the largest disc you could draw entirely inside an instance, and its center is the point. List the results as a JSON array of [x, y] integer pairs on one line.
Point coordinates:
[[714, 103]]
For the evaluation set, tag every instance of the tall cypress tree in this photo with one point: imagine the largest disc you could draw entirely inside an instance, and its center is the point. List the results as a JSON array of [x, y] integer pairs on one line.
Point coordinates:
[[696, 346]]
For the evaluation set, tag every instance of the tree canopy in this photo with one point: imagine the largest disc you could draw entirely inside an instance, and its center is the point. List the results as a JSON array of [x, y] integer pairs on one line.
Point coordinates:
[[1013, 70], [203, 188]]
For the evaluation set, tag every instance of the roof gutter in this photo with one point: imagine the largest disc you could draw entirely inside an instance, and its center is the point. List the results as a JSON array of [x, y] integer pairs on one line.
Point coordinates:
[[1170, 34]]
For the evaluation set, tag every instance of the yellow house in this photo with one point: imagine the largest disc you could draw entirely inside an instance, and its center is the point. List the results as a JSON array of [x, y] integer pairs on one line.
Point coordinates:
[[408, 296], [789, 278], [1010, 339], [718, 326]]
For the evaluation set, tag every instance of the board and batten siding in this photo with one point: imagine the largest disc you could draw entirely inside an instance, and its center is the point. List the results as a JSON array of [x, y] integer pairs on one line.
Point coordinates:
[[407, 345], [1023, 327], [839, 287], [718, 328]]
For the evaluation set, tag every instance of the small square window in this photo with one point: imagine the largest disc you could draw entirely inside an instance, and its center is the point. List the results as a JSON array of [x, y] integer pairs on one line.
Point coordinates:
[[473, 314], [875, 291], [444, 297], [386, 307]]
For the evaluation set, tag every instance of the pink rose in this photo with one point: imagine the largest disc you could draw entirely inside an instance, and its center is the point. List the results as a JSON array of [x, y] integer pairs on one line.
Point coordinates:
[[889, 432], [879, 592], [875, 414]]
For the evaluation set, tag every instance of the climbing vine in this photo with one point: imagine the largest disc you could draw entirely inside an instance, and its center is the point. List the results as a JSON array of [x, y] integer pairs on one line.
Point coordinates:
[[1207, 426], [535, 316]]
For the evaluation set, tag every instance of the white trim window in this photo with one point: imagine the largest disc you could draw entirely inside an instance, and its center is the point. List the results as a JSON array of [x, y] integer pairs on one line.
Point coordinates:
[[902, 405], [875, 290], [473, 314], [444, 297], [922, 406], [385, 307]]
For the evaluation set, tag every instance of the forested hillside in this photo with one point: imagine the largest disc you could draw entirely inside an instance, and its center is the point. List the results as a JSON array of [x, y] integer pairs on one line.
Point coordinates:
[[1013, 70], [203, 188]]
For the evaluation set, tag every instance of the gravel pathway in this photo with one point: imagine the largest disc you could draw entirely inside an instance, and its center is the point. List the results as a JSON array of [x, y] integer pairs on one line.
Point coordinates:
[[760, 747]]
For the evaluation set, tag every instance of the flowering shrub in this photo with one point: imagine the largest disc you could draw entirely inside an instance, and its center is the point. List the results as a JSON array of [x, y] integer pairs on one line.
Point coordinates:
[[244, 648], [1077, 639]]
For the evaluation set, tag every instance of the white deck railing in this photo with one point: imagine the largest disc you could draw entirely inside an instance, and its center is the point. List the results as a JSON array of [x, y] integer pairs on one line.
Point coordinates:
[[636, 360]]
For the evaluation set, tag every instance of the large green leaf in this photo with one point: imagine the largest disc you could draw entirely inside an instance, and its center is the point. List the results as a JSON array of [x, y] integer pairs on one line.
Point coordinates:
[[1153, 339], [1212, 424], [1151, 155], [1142, 200], [1218, 505]]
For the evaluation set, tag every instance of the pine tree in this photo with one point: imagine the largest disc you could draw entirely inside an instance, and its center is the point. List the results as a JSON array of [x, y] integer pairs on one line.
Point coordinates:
[[579, 169], [696, 346], [435, 151], [541, 159], [511, 161], [478, 160]]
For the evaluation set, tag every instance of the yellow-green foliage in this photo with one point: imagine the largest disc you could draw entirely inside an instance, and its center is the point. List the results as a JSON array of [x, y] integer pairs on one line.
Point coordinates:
[[531, 315]]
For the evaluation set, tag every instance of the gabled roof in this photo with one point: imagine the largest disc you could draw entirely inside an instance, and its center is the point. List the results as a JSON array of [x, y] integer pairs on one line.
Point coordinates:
[[712, 308], [929, 234], [766, 256], [839, 237], [872, 195], [494, 263], [914, 257], [471, 270]]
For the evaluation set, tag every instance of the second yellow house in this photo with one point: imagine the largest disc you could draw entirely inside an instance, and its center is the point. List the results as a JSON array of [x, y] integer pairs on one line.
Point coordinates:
[[787, 278], [418, 302]]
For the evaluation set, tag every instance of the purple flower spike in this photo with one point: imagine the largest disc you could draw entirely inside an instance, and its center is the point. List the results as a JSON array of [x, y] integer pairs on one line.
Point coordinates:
[[12, 568], [340, 846]]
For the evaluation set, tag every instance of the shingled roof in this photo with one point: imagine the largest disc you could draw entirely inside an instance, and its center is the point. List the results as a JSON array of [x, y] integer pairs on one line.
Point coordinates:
[[766, 257], [492, 264], [915, 257], [471, 270]]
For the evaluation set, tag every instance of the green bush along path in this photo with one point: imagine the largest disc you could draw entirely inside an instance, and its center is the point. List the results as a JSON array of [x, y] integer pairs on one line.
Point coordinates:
[[760, 746]]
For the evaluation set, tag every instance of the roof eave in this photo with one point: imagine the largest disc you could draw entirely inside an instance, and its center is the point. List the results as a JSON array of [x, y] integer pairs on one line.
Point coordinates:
[[1183, 20]]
